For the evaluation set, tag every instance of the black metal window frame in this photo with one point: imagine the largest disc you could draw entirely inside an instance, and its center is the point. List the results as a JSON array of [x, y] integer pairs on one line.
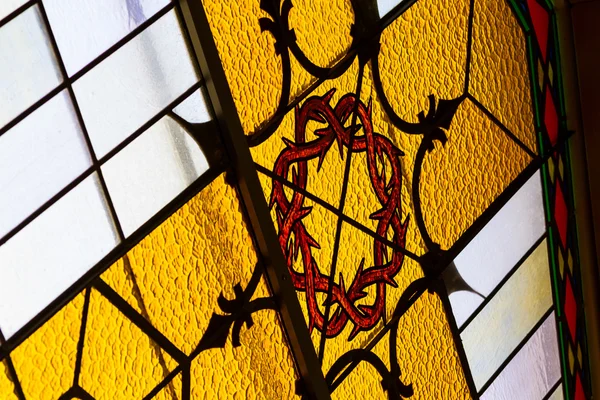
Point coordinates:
[[314, 383]]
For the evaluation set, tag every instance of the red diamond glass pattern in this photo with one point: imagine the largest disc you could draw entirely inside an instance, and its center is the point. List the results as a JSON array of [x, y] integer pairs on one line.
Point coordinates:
[[541, 21], [560, 214], [570, 309]]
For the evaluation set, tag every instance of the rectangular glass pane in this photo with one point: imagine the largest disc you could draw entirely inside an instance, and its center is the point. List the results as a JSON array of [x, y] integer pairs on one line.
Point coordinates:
[[85, 28], [135, 83], [27, 64], [151, 171], [52, 252], [499, 246], [8, 6], [533, 371], [38, 157], [509, 316]]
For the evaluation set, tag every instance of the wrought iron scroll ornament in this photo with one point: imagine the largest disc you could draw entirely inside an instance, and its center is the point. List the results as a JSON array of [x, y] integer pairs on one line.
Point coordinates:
[[381, 153]]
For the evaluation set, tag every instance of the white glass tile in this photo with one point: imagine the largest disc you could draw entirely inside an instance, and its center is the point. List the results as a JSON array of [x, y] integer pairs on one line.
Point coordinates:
[[86, 28], [135, 83], [385, 6], [28, 69], [498, 329], [52, 252], [558, 394], [38, 157], [151, 171], [194, 109], [8, 6], [499, 246], [533, 370]]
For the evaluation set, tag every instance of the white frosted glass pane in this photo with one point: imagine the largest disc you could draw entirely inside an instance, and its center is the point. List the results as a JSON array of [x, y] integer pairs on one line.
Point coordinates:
[[38, 157], [385, 6], [85, 28], [8, 6], [533, 370], [27, 65], [135, 83], [558, 394], [499, 246], [151, 171], [194, 108], [52, 252], [498, 329]]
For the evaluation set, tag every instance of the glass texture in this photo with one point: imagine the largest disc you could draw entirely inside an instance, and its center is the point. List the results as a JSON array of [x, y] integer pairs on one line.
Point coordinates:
[[194, 109], [52, 252], [498, 329], [135, 83], [119, 361], [558, 393], [151, 171], [38, 157], [385, 6], [7, 387], [174, 277], [499, 246], [45, 361], [499, 74], [322, 30], [8, 6], [533, 371], [85, 28], [27, 64]]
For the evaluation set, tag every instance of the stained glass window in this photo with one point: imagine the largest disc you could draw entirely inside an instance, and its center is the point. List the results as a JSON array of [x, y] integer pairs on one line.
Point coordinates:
[[286, 198]]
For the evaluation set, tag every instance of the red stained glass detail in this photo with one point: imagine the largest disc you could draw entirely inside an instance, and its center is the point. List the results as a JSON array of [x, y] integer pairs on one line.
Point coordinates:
[[550, 117], [570, 309], [560, 214], [541, 21], [579, 393]]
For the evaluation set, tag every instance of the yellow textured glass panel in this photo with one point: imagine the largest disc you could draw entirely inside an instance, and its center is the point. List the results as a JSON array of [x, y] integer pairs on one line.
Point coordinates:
[[460, 180], [45, 362], [251, 64], [326, 181], [357, 247], [174, 277], [322, 28], [499, 78], [414, 64], [119, 361], [172, 391], [427, 357], [261, 368], [7, 388], [199, 252]]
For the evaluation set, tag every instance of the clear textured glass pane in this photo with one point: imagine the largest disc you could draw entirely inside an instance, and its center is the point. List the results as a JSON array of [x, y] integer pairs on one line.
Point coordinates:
[[558, 394], [85, 28], [27, 64], [38, 157], [508, 317], [499, 246], [52, 252], [194, 109], [8, 6], [135, 83], [151, 171], [533, 371]]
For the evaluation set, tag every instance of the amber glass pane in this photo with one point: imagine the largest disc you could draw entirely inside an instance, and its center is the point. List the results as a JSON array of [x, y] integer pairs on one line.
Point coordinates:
[[174, 278], [261, 71]]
